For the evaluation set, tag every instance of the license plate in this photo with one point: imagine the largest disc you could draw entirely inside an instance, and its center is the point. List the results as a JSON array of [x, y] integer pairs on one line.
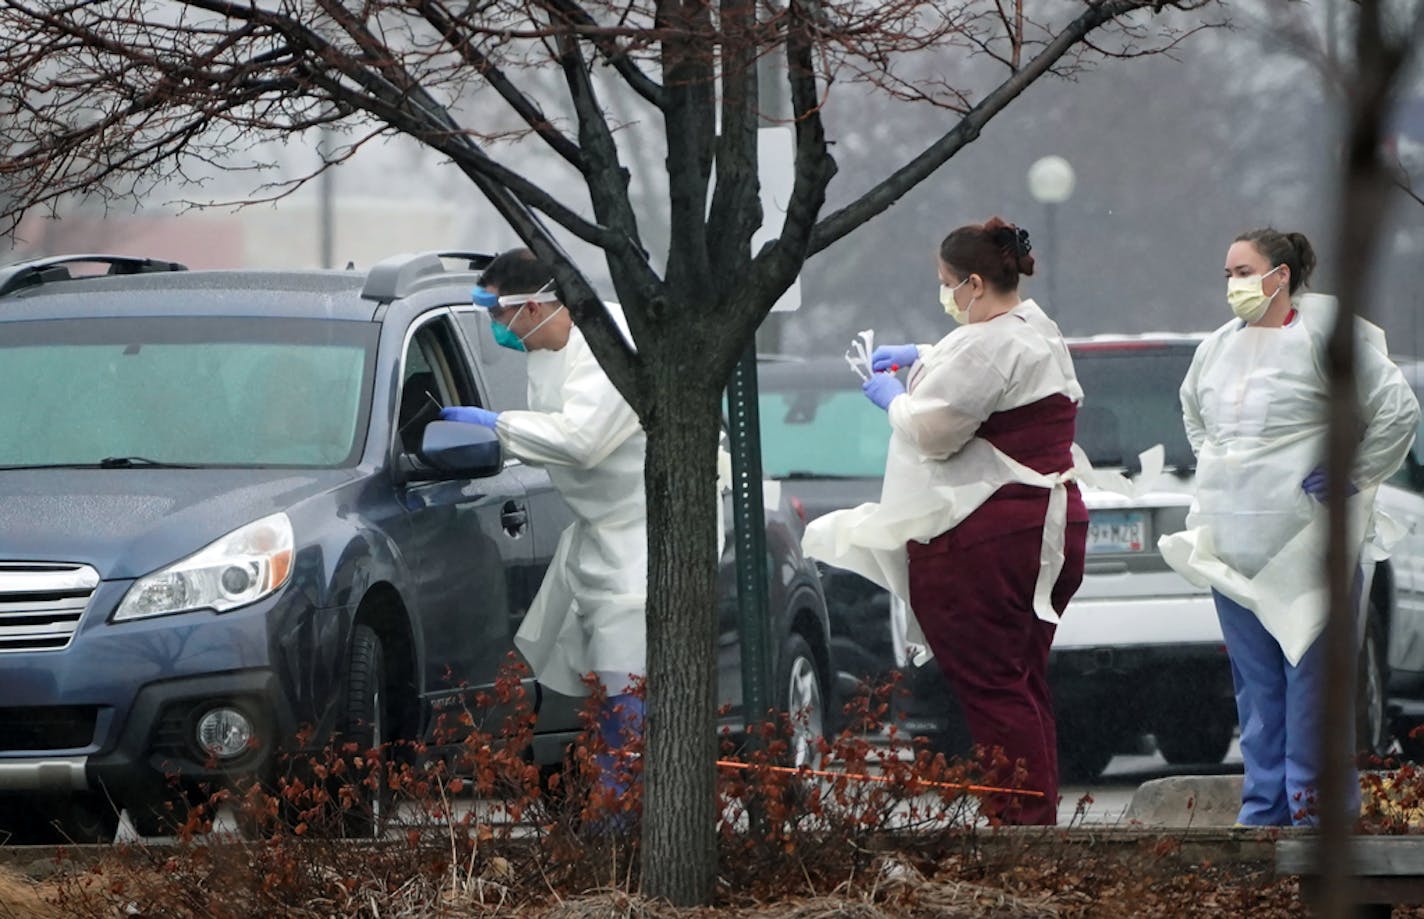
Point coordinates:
[[1117, 531]]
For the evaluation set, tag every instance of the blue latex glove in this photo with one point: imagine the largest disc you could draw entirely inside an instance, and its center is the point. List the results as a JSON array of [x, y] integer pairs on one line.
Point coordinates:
[[469, 414], [1314, 485], [886, 356], [881, 388]]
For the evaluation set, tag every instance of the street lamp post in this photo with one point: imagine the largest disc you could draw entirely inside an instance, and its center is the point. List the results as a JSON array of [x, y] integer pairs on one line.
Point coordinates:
[[1050, 181]]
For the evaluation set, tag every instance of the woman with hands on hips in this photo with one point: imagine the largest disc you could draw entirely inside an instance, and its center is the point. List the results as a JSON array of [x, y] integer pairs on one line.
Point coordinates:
[[1254, 408], [980, 527]]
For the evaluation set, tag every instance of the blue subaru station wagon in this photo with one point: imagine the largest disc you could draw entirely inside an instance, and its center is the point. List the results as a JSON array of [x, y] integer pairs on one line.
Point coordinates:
[[229, 519]]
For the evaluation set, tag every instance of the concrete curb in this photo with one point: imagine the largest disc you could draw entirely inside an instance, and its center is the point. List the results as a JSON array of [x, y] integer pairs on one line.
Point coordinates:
[[1188, 845]]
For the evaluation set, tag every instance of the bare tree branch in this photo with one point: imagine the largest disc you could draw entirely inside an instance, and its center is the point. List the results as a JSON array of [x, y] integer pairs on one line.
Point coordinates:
[[735, 213], [888, 191], [607, 179], [688, 74], [607, 45], [435, 13]]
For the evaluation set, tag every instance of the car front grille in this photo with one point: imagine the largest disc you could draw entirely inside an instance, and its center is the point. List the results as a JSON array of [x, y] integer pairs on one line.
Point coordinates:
[[47, 727], [40, 605]]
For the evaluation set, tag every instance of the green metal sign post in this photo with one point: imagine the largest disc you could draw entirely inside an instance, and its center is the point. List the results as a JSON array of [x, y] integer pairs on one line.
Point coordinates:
[[749, 520]]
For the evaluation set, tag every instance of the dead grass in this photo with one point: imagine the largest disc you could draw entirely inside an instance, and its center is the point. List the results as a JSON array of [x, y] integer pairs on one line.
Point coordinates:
[[22, 898]]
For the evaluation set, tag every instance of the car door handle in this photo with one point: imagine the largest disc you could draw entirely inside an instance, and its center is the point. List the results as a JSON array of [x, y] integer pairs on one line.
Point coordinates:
[[514, 518]]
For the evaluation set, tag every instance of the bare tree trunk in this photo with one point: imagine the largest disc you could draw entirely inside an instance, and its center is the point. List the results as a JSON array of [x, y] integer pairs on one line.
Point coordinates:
[[679, 855], [1339, 637], [1364, 199]]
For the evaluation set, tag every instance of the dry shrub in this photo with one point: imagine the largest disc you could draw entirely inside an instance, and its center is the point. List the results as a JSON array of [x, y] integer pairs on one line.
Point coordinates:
[[783, 828], [1392, 793], [881, 830]]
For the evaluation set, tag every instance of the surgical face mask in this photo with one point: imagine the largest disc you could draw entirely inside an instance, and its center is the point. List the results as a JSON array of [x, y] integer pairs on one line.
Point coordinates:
[[504, 336], [1247, 296], [951, 306]]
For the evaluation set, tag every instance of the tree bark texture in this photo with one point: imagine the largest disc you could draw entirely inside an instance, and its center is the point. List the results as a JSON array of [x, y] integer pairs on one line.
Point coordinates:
[[1364, 199], [679, 859]]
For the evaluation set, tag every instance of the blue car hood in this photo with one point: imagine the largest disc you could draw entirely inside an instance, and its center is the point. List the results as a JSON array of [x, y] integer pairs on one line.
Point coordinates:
[[129, 522]]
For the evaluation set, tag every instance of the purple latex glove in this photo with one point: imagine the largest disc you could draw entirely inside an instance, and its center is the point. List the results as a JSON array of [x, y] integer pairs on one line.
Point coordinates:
[[1315, 486], [887, 356], [882, 388], [469, 414]]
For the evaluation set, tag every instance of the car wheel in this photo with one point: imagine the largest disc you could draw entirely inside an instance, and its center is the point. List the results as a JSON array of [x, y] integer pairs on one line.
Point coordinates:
[[85, 817], [366, 725], [1203, 739], [16, 821], [1372, 730], [803, 699], [1084, 750]]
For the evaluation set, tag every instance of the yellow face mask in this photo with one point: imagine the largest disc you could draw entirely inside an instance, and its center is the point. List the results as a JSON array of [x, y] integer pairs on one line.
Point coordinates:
[[1247, 296], [951, 306]]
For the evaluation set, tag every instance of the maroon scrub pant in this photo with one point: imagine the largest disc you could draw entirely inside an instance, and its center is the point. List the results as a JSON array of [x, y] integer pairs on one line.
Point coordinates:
[[972, 592]]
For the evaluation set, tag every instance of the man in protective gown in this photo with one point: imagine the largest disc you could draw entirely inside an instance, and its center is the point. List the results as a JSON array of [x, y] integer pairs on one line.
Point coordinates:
[[589, 614]]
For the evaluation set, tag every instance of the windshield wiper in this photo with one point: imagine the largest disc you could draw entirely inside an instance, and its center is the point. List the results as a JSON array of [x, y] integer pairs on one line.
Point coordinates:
[[130, 462]]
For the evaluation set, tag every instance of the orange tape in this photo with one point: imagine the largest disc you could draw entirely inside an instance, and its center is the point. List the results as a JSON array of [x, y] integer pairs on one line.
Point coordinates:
[[859, 776]]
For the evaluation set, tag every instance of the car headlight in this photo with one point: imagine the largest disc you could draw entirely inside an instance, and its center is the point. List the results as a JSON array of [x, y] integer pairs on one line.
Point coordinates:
[[244, 566]]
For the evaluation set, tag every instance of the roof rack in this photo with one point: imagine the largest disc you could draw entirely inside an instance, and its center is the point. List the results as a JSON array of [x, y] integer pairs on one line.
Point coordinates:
[[47, 270], [402, 275]]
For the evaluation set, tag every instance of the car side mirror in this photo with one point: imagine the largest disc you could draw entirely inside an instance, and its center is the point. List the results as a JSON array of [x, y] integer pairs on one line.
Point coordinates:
[[457, 449]]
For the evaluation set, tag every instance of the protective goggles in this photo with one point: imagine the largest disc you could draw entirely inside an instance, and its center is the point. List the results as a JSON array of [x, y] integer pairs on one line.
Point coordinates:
[[485, 298]]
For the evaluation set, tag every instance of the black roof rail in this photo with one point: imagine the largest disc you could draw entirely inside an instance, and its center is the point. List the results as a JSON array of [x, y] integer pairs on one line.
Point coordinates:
[[402, 275], [46, 270]]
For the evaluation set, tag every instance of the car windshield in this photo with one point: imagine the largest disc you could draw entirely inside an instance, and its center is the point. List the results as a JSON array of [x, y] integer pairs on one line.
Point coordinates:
[[1130, 402], [822, 433], [193, 391]]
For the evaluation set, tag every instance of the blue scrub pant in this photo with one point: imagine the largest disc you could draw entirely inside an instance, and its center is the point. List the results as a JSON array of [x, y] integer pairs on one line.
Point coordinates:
[[620, 722], [1280, 709]]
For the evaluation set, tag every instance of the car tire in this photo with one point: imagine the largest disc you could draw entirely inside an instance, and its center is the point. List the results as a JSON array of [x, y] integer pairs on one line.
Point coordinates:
[[366, 723], [1205, 739], [1372, 727], [802, 696], [82, 818], [1084, 750], [16, 821]]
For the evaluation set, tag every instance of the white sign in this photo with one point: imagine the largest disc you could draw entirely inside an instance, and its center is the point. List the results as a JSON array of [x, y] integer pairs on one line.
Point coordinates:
[[776, 159]]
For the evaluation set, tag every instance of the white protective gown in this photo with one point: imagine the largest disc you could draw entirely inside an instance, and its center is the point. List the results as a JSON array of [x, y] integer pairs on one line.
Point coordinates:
[[1254, 406], [589, 613], [937, 472]]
